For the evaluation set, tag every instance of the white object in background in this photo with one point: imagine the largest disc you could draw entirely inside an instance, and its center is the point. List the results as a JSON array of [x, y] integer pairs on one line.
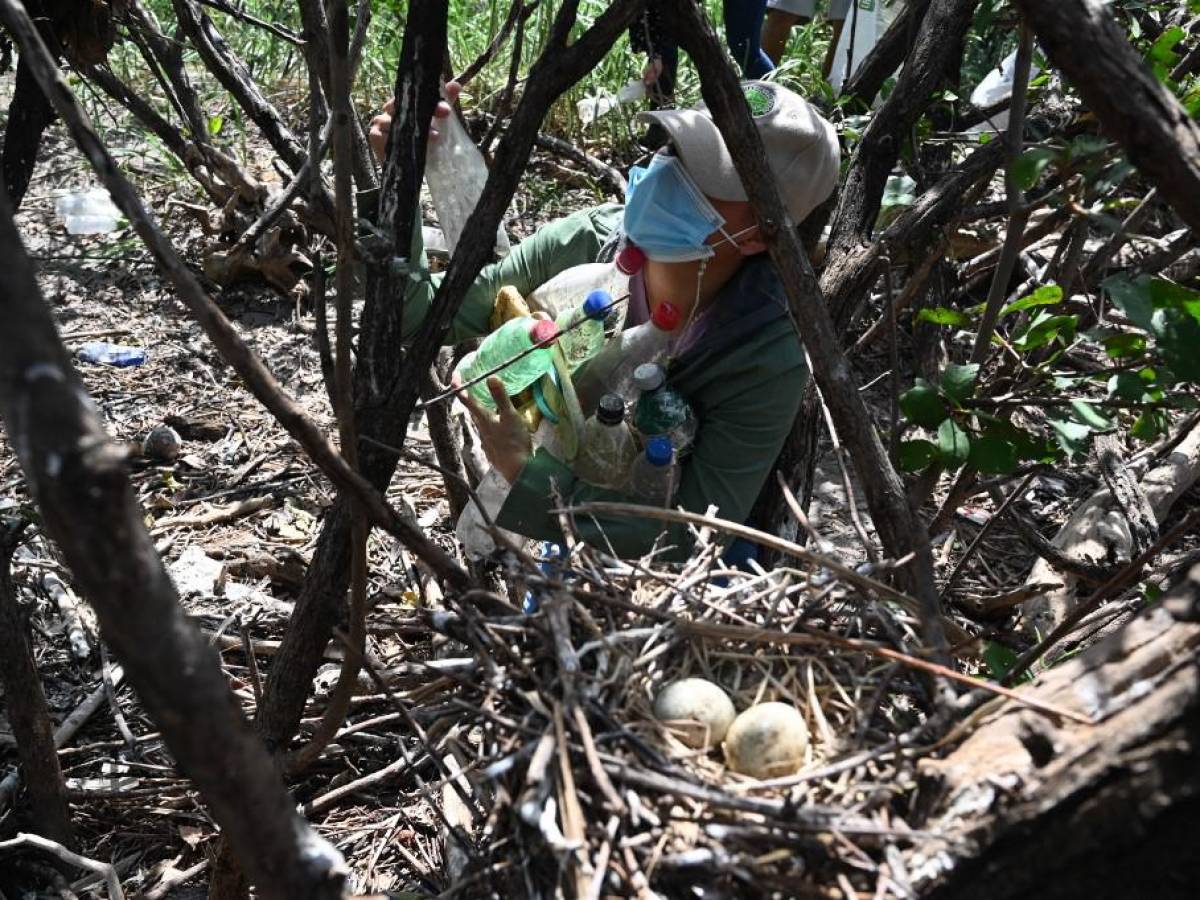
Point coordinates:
[[472, 529], [997, 85], [864, 24], [592, 108], [456, 173], [87, 212]]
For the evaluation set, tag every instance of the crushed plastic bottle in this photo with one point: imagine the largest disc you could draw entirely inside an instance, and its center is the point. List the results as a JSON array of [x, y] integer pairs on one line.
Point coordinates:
[[652, 478], [107, 354], [661, 410], [566, 289], [87, 212], [456, 174], [582, 329], [506, 343], [611, 370], [607, 449]]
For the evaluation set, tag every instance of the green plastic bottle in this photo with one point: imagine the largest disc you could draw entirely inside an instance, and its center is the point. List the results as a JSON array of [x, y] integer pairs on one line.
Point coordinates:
[[661, 410], [506, 343]]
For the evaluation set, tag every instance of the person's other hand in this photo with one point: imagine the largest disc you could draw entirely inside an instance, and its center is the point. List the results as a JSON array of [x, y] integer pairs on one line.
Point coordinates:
[[381, 125], [652, 71], [506, 441]]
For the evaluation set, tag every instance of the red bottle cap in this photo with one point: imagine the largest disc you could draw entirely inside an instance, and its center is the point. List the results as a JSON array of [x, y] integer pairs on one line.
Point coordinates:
[[543, 330], [630, 260], [666, 316]]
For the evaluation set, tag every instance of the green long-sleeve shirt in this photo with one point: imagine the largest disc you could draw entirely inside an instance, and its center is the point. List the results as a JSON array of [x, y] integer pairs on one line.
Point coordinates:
[[744, 377]]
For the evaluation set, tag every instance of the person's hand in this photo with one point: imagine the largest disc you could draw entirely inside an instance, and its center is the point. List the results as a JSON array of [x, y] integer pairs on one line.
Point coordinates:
[[652, 71], [381, 125], [506, 441]]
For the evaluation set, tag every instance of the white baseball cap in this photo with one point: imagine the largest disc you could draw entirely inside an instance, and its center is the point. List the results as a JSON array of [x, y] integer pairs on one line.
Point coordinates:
[[801, 144]]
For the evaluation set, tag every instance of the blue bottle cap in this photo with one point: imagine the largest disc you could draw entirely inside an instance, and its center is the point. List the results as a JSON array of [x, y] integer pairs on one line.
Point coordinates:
[[595, 305], [659, 451]]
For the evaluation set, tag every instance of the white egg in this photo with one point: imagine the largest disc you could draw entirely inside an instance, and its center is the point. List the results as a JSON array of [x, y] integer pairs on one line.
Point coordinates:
[[767, 741], [696, 710]]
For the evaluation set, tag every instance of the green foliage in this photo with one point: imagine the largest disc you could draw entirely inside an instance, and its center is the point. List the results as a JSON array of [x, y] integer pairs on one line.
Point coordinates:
[[922, 405]]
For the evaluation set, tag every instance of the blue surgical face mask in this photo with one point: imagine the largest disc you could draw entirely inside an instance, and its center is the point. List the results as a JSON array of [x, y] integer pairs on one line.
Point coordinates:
[[666, 215]]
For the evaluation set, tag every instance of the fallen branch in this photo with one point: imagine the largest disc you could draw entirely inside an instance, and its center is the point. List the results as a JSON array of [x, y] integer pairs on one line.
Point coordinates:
[[105, 870]]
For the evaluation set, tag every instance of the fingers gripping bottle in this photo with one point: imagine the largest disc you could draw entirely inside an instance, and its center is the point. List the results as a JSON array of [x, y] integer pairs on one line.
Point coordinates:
[[565, 290], [456, 174], [652, 478], [606, 450], [504, 345], [611, 370], [661, 410], [581, 330]]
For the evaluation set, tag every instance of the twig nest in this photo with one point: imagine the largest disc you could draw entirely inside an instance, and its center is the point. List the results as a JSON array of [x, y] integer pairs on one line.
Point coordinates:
[[696, 710], [767, 741], [162, 443]]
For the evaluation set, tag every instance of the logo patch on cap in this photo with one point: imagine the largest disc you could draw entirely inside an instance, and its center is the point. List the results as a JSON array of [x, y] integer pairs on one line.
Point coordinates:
[[759, 99]]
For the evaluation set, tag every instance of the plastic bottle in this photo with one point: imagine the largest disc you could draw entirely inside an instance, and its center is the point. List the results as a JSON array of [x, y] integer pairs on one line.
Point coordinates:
[[568, 288], [456, 173], [504, 344], [652, 478], [477, 539], [662, 410], [111, 354], [607, 449], [87, 212], [582, 329], [611, 370], [592, 108]]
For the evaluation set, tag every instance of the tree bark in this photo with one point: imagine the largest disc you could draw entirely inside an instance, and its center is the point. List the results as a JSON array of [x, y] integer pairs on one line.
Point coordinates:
[[899, 528], [1030, 807], [387, 378], [78, 478], [29, 114], [887, 55], [25, 703], [1083, 39]]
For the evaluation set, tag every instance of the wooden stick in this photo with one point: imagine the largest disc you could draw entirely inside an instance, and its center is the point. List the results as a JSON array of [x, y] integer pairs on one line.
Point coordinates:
[[58, 850]]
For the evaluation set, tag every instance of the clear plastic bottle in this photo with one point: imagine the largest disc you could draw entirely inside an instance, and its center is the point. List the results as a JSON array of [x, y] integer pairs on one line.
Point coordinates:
[[506, 343], [566, 289], [662, 410], [88, 212], [607, 449], [652, 478], [456, 173], [477, 539], [611, 370], [580, 342]]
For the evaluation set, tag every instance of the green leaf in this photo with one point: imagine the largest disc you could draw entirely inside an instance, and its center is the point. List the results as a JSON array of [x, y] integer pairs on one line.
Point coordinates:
[[1150, 425], [1071, 436], [1162, 56], [958, 382], [922, 406], [1046, 295], [1030, 165], [944, 315], [1127, 386], [993, 455], [1178, 336], [916, 455], [1087, 415], [999, 659], [1132, 297], [215, 124], [1119, 346], [1087, 145], [954, 446], [1044, 328], [1166, 294]]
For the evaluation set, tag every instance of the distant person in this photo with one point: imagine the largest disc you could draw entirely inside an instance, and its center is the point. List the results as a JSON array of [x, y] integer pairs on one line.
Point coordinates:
[[649, 35], [783, 15]]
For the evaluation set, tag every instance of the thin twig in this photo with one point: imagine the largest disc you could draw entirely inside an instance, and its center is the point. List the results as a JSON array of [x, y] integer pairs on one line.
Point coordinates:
[[105, 870]]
